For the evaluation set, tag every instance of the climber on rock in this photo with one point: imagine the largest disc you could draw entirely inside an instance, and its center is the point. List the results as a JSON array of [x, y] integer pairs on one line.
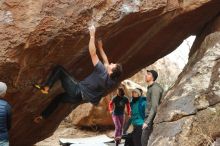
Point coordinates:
[[104, 76]]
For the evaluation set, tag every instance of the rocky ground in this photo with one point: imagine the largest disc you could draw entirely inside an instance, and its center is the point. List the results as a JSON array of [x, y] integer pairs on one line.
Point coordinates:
[[67, 130]]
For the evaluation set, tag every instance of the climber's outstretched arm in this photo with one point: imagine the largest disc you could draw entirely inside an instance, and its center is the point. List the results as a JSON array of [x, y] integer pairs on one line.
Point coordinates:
[[92, 48], [102, 53]]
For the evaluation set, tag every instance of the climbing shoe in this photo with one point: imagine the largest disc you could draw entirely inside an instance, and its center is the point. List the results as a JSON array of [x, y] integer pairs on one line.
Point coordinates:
[[40, 88]]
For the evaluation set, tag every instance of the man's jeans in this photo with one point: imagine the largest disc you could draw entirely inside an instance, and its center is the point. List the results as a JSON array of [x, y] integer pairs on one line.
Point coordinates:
[[146, 135], [4, 143], [72, 92]]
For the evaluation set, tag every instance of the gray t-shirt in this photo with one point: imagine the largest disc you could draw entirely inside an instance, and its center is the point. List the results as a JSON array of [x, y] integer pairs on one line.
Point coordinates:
[[96, 84]]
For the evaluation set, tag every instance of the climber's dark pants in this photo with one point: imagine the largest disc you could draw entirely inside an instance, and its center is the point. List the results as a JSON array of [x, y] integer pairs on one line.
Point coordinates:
[[72, 92]]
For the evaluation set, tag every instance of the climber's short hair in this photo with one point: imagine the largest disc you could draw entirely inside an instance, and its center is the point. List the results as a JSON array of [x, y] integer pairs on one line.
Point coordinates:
[[116, 72]]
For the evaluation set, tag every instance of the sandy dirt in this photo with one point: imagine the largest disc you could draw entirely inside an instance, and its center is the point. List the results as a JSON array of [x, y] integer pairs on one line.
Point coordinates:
[[67, 130]]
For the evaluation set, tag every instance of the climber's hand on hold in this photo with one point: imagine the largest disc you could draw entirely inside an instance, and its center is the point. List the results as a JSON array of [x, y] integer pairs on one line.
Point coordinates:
[[92, 30]]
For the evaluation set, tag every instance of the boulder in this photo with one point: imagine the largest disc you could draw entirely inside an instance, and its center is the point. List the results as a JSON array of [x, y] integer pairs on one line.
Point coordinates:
[[37, 35], [87, 115], [189, 113]]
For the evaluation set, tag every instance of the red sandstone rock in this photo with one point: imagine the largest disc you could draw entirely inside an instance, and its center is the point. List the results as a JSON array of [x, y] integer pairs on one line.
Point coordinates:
[[36, 35], [189, 114]]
